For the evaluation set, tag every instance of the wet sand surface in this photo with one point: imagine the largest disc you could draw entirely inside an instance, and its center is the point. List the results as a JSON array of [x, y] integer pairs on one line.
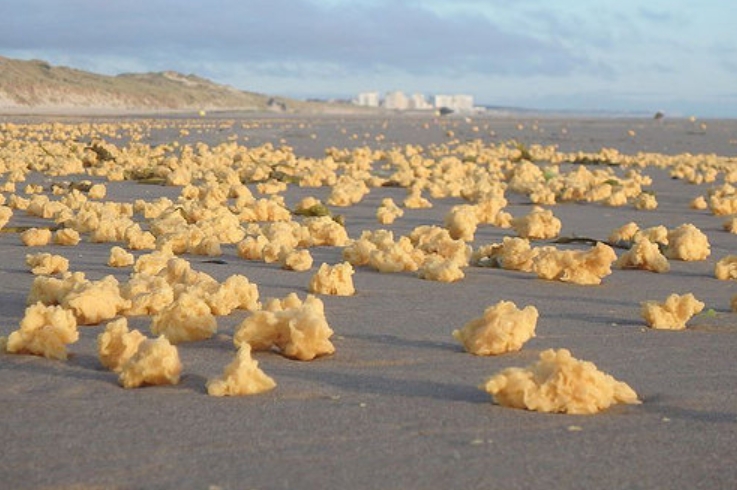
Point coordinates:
[[398, 405]]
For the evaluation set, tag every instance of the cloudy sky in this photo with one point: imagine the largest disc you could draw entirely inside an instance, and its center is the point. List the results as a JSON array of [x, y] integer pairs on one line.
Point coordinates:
[[672, 55]]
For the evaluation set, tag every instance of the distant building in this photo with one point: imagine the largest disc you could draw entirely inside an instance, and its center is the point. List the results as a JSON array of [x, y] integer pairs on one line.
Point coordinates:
[[463, 103], [396, 100], [368, 99], [457, 103], [439, 101], [418, 101]]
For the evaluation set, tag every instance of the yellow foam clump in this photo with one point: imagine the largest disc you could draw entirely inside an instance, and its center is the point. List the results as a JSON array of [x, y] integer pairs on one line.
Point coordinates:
[[116, 345], [241, 377], [502, 328], [156, 362], [47, 264], [335, 280], [559, 383], [298, 330], [673, 313], [44, 331]]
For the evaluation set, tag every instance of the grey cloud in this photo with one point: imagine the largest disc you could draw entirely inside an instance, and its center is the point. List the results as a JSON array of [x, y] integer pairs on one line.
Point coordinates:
[[358, 37]]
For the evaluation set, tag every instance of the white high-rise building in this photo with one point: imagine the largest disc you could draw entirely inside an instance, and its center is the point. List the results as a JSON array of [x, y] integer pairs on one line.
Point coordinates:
[[418, 101], [368, 99], [463, 103], [439, 101], [457, 103], [396, 100]]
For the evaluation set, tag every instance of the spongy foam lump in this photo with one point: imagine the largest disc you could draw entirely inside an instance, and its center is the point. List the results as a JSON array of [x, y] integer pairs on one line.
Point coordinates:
[[298, 330], [44, 331], [334, 280], [116, 345], [241, 377], [559, 383], [673, 313], [502, 328], [156, 362]]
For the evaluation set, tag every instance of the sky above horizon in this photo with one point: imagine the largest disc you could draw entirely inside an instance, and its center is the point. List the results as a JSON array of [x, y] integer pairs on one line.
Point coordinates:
[[675, 56]]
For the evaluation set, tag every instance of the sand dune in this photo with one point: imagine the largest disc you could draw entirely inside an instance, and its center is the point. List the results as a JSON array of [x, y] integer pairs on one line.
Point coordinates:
[[38, 87]]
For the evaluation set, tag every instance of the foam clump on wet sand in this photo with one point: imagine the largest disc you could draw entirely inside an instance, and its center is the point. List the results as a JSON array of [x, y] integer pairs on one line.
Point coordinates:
[[513, 254], [296, 260], [156, 362], [624, 233], [540, 223], [44, 331], [187, 319], [66, 237], [95, 301], [117, 344], [91, 301], [36, 237], [687, 243], [644, 255], [441, 270], [47, 264], [461, 222], [296, 329], [559, 383], [334, 280], [119, 257], [241, 377], [726, 268], [5, 214], [585, 267], [673, 313], [388, 212], [502, 328]]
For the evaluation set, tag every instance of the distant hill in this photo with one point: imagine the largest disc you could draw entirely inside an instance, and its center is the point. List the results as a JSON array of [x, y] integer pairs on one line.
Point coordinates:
[[37, 86]]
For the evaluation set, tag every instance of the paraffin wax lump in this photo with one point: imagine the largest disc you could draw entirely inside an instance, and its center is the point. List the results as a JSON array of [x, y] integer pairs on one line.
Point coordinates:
[[461, 222], [673, 314], [298, 330], [559, 383], [237, 292], [241, 377], [687, 243], [156, 362], [646, 202], [513, 253], [502, 328], [296, 260], [335, 280], [44, 331], [66, 237], [624, 233], [119, 257], [644, 255], [575, 266], [5, 214], [439, 269], [95, 301], [726, 268], [388, 212], [47, 264], [540, 223], [116, 345], [698, 202], [36, 237], [187, 319]]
